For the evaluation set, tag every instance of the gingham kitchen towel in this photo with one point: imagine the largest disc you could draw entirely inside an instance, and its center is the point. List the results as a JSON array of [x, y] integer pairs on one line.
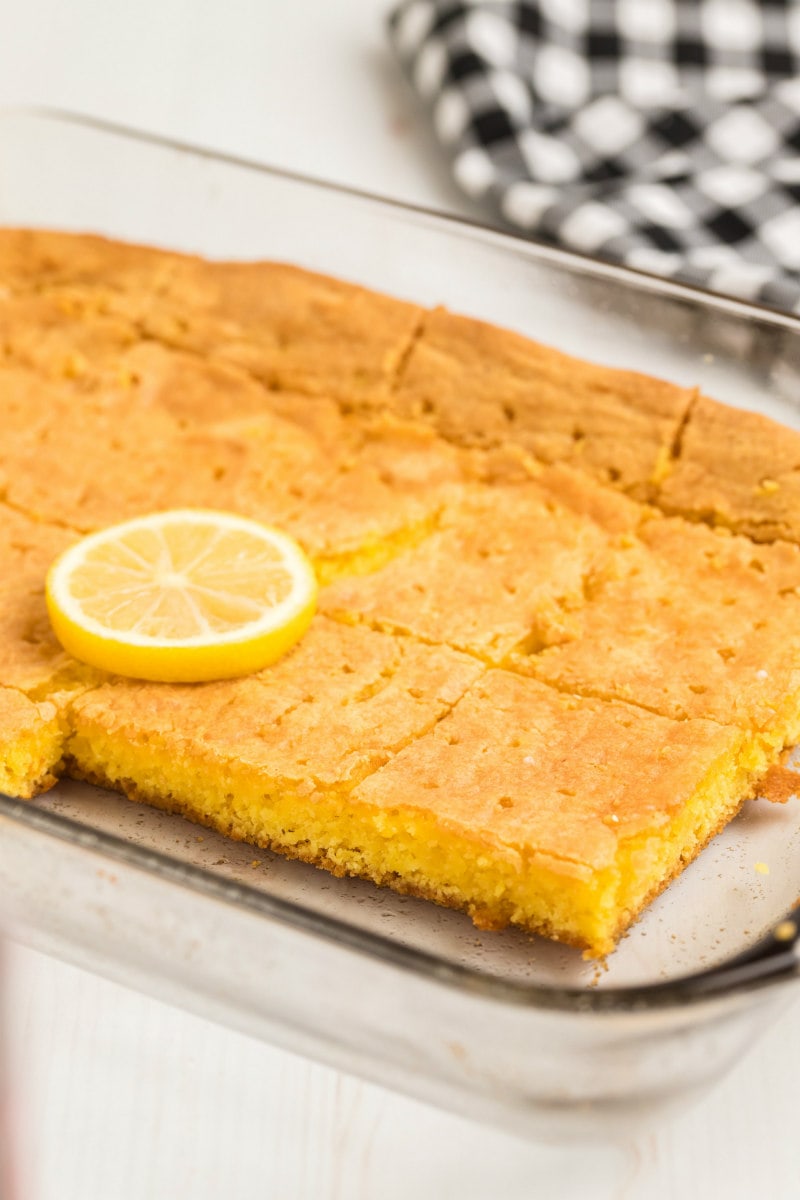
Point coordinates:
[[664, 134]]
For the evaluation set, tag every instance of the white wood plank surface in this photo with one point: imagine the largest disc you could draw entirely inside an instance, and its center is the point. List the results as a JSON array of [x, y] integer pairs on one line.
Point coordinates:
[[117, 1097]]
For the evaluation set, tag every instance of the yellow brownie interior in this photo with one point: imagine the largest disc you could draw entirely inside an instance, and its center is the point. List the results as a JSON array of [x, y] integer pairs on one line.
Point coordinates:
[[461, 491], [32, 740]]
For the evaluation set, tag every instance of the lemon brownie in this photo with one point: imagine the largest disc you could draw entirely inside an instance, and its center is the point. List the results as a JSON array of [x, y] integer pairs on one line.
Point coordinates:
[[528, 694]]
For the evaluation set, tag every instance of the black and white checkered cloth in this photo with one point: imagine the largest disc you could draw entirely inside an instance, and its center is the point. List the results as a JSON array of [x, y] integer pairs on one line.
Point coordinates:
[[664, 134]]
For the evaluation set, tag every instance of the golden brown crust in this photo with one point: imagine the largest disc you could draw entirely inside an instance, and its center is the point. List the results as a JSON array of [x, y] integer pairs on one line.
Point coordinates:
[[293, 329], [481, 385], [88, 274], [330, 711], [31, 659], [739, 470], [477, 384], [514, 558], [688, 622]]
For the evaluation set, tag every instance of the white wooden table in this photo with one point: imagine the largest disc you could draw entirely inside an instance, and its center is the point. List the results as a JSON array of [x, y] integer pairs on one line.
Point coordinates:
[[114, 1096]]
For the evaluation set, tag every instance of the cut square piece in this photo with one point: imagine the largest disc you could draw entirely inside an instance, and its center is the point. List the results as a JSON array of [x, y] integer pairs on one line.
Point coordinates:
[[560, 814], [481, 385], [507, 566], [273, 757], [693, 622], [738, 469]]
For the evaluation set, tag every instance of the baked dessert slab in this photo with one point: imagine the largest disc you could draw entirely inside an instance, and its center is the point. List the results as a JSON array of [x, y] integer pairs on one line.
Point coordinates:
[[449, 816], [529, 694]]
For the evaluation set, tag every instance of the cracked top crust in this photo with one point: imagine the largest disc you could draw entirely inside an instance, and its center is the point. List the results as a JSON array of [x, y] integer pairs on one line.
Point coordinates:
[[739, 470], [511, 738], [331, 711], [689, 622], [482, 385], [291, 328], [296, 331], [507, 565]]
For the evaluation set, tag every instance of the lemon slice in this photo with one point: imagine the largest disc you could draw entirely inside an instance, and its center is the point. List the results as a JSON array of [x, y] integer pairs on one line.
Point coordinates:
[[182, 596]]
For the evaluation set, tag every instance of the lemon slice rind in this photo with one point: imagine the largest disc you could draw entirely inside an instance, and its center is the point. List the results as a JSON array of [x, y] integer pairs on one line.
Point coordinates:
[[215, 654]]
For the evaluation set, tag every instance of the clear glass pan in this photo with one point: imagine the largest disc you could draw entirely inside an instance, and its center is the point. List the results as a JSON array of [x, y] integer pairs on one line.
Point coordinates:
[[501, 1026]]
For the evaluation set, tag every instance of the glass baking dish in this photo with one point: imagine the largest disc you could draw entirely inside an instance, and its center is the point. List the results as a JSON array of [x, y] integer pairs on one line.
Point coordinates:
[[497, 1025]]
